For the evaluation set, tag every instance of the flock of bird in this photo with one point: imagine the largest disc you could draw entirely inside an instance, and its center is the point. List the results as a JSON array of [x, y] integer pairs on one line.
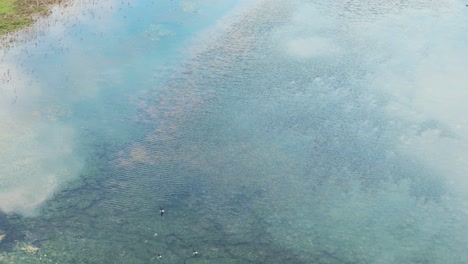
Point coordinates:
[[159, 256]]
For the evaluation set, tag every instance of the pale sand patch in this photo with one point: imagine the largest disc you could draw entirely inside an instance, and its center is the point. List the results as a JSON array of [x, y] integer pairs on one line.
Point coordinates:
[[137, 154]]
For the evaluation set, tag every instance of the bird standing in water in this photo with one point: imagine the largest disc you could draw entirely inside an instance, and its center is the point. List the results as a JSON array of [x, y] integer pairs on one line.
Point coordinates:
[[161, 210]]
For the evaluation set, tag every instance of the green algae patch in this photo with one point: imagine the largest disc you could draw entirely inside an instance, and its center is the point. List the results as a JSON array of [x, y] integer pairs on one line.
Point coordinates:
[[10, 19], [7, 7], [17, 14], [12, 24]]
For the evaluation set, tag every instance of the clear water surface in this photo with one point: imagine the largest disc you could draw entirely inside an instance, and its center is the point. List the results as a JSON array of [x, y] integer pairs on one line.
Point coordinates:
[[269, 131]]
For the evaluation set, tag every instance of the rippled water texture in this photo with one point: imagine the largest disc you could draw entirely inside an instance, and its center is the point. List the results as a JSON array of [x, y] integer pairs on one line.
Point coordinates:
[[269, 131]]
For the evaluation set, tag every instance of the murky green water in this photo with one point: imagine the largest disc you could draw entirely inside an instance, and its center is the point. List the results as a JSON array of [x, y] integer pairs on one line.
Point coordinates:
[[269, 131]]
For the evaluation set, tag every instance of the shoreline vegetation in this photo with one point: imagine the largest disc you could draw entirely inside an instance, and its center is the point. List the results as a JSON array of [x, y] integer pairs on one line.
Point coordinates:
[[18, 14]]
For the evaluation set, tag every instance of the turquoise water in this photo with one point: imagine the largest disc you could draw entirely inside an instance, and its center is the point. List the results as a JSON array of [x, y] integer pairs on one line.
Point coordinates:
[[270, 132]]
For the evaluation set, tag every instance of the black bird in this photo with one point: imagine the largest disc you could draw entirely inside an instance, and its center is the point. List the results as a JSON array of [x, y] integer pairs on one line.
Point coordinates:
[[161, 210]]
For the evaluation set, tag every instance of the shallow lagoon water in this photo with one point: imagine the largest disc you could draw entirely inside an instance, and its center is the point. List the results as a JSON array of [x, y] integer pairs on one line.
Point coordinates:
[[271, 132]]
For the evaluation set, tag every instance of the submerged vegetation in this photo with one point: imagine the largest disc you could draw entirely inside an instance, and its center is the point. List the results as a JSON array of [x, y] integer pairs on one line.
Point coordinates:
[[16, 14]]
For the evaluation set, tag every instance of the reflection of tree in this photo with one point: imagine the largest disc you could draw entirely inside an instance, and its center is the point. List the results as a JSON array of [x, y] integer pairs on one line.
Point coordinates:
[[189, 6], [156, 32]]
